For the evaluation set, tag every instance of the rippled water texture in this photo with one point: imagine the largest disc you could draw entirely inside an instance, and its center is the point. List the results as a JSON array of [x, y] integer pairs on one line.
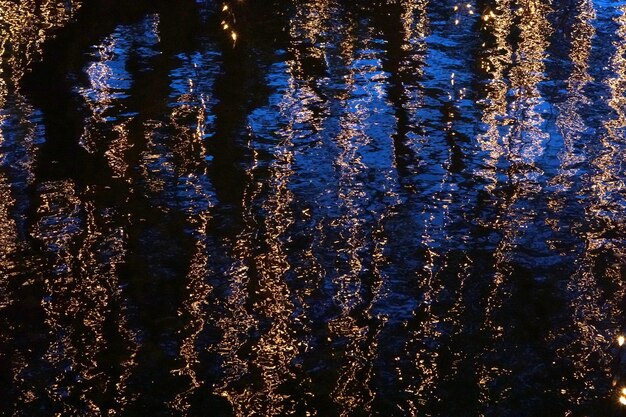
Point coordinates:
[[312, 208]]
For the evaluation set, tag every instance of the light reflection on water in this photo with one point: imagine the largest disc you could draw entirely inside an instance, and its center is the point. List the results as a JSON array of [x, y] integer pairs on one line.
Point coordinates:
[[312, 208]]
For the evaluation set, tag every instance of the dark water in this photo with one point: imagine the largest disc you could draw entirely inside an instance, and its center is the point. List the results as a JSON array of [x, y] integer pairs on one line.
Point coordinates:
[[312, 208]]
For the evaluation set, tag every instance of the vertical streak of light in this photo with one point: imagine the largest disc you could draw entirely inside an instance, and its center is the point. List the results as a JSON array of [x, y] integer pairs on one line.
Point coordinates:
[[8, 232], [522, 145], [597, 285], [313, 21], [442, 241], [19, 135], [104, 234], [572, 126], [523, 141], [79, 290], [495, 61], [528, 72], [87, 242], [9, 247], [608, 183], [404, 89], [359, 227], [404, 96], [237, 322], [414, 30], [348, 284], [277, 347], [189, 121], [428, 340], [199, 290], [8, 240], [569, 121]]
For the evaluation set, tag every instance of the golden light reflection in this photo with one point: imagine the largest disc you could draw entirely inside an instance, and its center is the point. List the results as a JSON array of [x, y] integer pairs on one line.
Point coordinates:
[[617, 85], [175, 156], [597, 311], [24, 26], [415, 23], [514, 139], [434, 223], [19, 137], [495, 61], [237, 322], [261, 313], [8, 232], [189, 120], [351, 391], [8, 238], [98, 276], [357, 228], [405, 92], [117, 150], [3, 90], [570, 121], [199, 291], [277, 346], [526, 141], [571, 125], [79, 290], [308, 30]]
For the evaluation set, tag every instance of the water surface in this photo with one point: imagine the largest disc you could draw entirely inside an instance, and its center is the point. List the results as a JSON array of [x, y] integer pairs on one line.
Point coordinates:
[[323, 207]]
